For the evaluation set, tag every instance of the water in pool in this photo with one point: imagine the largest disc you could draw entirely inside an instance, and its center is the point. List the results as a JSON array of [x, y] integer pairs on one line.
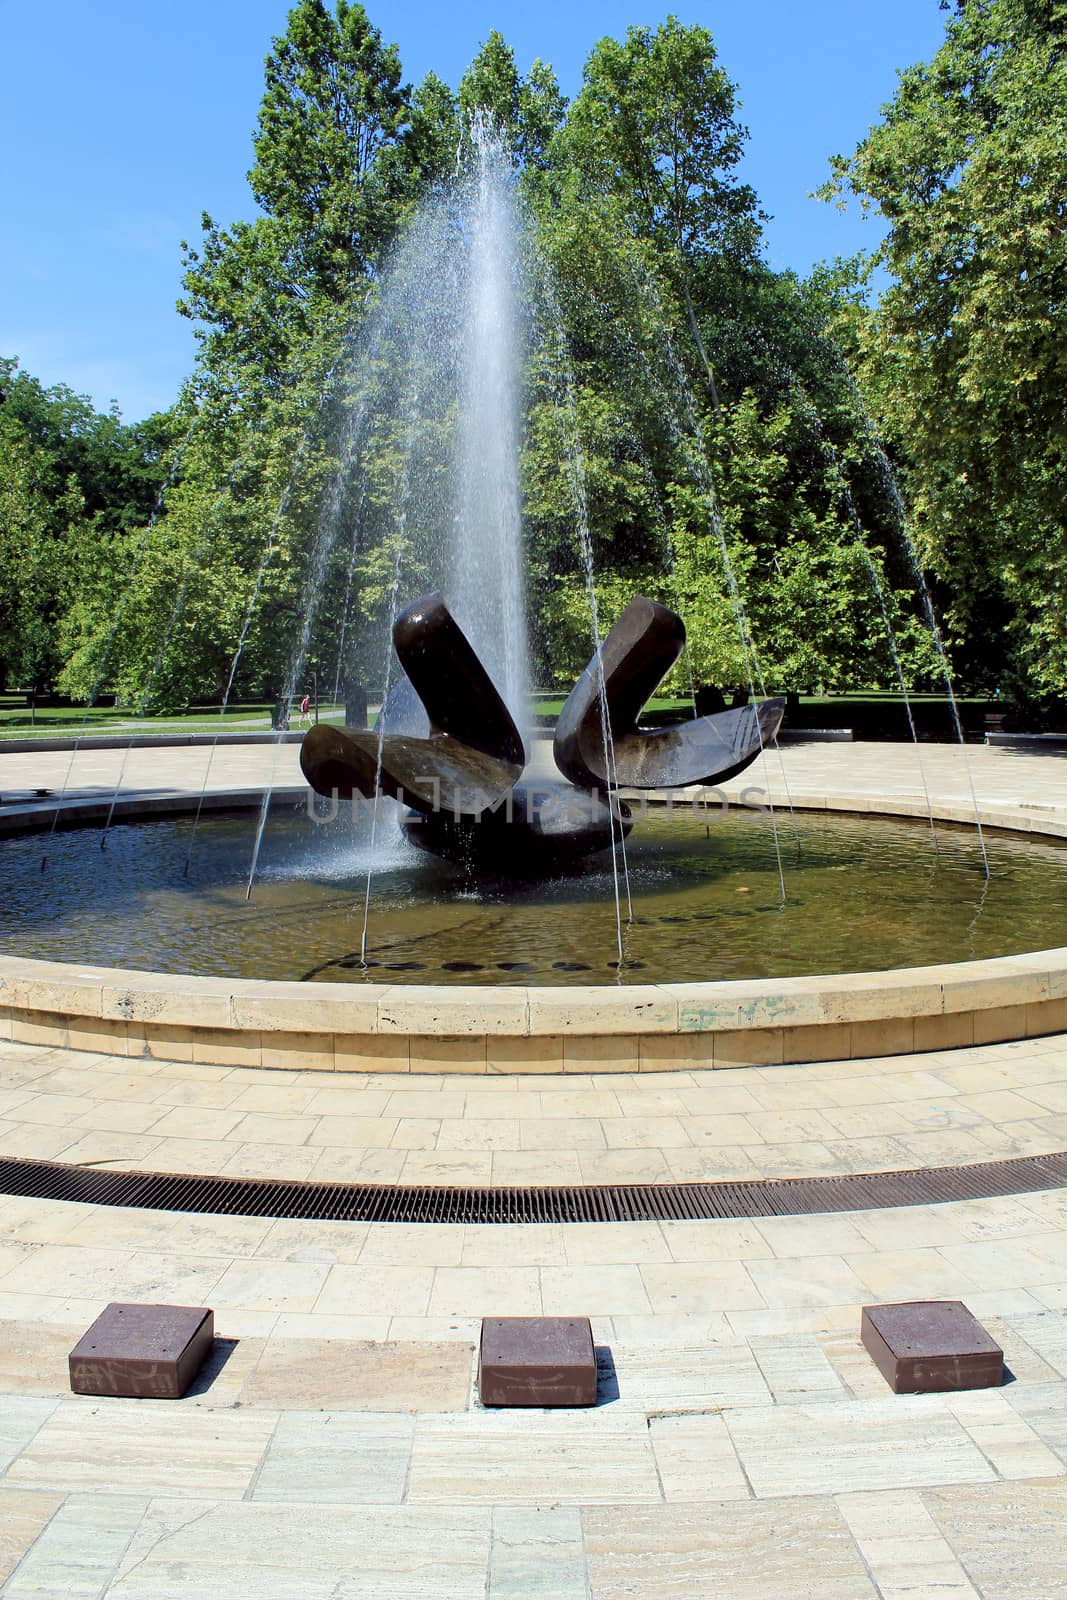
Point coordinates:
[[861, 894]]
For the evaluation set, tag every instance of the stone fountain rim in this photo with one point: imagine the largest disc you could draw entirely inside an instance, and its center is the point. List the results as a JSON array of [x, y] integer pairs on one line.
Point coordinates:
[[536, 1028]]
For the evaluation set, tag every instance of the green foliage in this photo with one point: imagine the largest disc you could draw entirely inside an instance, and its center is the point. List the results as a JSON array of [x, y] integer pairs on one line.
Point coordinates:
[[491, 83], [333, 104], [38, 513], [527, 112], [222, 569], [964, 357], [728, 470], [431, 141], [330, 175], [74, 487], [654, 125]]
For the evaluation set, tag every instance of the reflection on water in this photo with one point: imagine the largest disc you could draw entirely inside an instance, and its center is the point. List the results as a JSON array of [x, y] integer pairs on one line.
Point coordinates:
[[863, 894]]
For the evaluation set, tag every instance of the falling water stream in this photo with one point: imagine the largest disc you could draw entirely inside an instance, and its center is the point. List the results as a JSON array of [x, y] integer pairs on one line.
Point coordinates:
[[200, 550], [487, 588], [346, 608], [681, 418], [576, 477], [266, 557], [397, 559], [889, 478], [840, 476], [326, 532], [907, 543]]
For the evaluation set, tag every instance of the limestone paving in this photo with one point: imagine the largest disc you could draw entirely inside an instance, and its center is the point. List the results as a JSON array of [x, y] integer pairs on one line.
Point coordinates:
[[872, 1114], [869, 773], [743, 1445]]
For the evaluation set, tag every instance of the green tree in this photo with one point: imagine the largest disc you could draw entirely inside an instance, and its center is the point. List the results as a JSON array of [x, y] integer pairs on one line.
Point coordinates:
[[542, 111], [334, 114], [74, 487], [963, 358], [37, 512], [340, 148], [431, 141], [711, 406], [526, 111], [655, 126], [690, 423], [491, 83]]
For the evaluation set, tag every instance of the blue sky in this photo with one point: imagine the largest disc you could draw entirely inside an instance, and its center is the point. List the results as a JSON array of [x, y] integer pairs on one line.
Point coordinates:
[[121, 120]]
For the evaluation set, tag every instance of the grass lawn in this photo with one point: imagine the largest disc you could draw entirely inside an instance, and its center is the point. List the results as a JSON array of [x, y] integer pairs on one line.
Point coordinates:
[[65, 722], [52, 722]]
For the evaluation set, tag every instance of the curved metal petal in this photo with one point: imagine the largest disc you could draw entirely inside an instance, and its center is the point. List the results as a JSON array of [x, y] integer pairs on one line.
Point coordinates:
[[461, 699], [635, 657], [435, 774], [473, 753]]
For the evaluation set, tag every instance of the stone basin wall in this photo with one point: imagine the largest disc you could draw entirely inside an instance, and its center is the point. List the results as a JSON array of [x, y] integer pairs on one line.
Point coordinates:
[[632, 1028], [469, 1028]]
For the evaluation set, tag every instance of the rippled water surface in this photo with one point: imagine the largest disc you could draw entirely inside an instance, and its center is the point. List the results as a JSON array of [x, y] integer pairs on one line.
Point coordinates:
[[861, 894]]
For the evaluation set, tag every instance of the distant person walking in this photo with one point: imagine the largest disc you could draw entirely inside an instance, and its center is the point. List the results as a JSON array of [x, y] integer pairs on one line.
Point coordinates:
[[305, 709]]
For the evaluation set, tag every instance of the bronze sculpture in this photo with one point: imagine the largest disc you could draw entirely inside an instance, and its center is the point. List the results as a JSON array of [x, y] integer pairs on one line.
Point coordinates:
[[448, 747]]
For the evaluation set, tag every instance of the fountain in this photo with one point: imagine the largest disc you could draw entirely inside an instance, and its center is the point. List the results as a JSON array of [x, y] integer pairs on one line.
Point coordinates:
[[502, 936]]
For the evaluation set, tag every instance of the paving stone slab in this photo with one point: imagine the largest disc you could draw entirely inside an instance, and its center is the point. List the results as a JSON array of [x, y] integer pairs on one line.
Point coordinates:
[[24, 1514], [726, 1551], [361, 1375], [1009, 1537]]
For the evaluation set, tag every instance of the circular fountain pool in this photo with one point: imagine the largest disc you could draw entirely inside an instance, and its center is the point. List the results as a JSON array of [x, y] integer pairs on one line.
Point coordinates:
[[862, 895]]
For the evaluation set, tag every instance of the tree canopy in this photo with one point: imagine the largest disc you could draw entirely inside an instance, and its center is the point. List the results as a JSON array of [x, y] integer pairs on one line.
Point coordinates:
[[738, 429], [75, 487], [963, 357]]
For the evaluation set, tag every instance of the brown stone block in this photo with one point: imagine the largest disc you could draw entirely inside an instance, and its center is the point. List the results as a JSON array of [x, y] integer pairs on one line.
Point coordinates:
[[100, 1035], [40, 1027], [928, 1346], [1049, 1016], [142, 1352], [952, 1031], [536, 1361], [998, 1023]]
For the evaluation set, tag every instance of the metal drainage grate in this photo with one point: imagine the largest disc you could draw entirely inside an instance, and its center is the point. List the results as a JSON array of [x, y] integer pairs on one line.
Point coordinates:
[[636, 1202]]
